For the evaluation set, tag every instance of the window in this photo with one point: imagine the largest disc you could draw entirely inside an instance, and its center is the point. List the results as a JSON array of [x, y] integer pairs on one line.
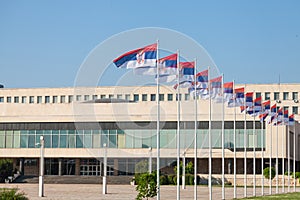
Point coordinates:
[[54, 99], [95, 97], [152, 97], [127, 97], [31, 99], [267, 96], [257, 94], [110, 96], [180, 95], [78, 97], [276, 95], [86, 97], [187, 97], [144, 97], [285, 108], [16, 99], [1, 99], [102, 96], [119, 96], [295, 95], [285, 96], [161, 97], [63, 99], [70, 98], [170, 97], [39, 99], [23, 99], [8, 99], [295, 110], [47, 99], [135, 97]]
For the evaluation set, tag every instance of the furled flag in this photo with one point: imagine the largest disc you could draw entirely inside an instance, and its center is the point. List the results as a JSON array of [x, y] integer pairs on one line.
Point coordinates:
[[201, 85], [142, 57], [291, 120], [216, 89], [186, 75], [238, 98], [228, 91], [167, 68]]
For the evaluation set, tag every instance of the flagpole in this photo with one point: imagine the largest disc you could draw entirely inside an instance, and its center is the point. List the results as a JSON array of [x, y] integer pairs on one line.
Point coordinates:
[[157, 126], [288, 156], [223, 141], [234, 145], [178, 129], [282, 153], [254, 155], [245, 148], [195, 132], [270, 159], [294, 156], [209, 142], [277, 152], [262, 156]]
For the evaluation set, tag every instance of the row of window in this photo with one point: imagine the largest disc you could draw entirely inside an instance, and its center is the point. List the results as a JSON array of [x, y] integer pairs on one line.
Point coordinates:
[[80, 98], [125, 139], [276, 95]]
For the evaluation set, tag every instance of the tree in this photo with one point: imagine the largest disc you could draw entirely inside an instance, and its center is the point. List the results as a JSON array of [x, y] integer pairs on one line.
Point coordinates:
[[147, 186], [6, 169], [189, 168]]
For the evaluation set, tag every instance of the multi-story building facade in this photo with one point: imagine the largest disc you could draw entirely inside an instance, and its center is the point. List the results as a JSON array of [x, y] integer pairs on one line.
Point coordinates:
[[77, 122]]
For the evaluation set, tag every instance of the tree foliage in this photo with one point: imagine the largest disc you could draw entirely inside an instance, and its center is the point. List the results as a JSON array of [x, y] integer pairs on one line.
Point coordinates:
[[189, 168], [147, 186], [6, 169], [12, 194], [267, 172]]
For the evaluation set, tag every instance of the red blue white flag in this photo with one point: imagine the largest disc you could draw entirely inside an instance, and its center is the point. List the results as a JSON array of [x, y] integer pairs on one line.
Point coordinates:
[[291, 120], [201, 85], [228, 91], [249, 99], [142, 57], [186, 74], [238, 98], [167, 68], [216, 89]]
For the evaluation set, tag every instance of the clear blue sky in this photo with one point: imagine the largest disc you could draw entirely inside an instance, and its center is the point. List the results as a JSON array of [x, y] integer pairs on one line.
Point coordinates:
[[43, 43]]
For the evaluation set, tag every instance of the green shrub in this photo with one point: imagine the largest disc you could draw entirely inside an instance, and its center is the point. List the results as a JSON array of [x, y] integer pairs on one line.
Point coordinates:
[[163, 180], [6, 169], [170, 179], [175, 180], [12, 194], [267, 172], [147, 186], [297, 175], [191, 180]]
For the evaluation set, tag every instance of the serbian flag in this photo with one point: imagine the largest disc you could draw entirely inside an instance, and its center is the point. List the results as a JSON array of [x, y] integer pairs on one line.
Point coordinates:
[[272, 113], [279, 117], [291, 120], [186, 74], [142, 57], [228, 91], [167, 68], [216, 88], [249, 99], [266, 106], [238, 98], [286, 117], [243, 108], [257, 105], [201, 85], [263, 116]]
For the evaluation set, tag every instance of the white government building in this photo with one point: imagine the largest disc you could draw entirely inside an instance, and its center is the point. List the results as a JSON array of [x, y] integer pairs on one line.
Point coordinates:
[[77, 122]]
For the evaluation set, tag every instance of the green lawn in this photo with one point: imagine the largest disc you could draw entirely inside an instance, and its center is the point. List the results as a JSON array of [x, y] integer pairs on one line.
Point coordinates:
[[295, 195]]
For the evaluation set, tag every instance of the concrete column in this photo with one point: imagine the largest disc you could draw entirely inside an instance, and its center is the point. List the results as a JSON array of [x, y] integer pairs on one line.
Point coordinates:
[[77, 166], [116, 167], [60, 166], [21, 169]]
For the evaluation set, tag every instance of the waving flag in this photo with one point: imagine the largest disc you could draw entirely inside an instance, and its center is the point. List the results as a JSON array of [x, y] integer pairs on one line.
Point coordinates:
[[228, 91], [216, 88], [238, 98], [249, 99], [279, 117], [263, 116], [285, 117], [201, 85], [257, 105], [186, 74], [142, 57], [167, 68], [266, 106], [291, 120], [272, 113]]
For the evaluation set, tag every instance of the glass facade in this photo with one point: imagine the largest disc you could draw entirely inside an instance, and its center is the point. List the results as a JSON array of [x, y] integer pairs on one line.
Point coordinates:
[[123, 138]]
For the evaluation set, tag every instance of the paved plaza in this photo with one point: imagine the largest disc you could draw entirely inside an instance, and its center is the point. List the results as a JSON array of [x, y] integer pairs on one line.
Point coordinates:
[[118, 192]]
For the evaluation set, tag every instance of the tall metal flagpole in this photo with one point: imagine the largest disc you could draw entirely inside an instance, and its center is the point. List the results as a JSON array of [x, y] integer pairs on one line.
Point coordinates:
[[245, 148], [157, 126], [288, 155], [294, 156], [262, 157], [270, 160], [178, 128], [254, 156], [209, 142], [277, 154], [282, 154], [223, 141], [195, 131], [234, 145]]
